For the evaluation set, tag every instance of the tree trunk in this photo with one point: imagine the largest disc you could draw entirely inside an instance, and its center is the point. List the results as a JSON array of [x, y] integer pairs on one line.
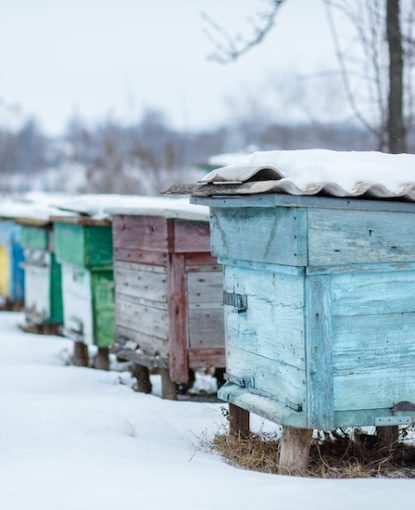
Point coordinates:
[[396, 124]]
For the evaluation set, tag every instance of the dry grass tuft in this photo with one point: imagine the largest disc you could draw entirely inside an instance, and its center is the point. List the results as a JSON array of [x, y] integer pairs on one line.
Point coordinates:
[[342, 454]]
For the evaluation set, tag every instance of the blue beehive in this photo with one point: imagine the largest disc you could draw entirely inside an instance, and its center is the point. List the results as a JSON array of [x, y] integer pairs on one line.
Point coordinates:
[[320, 308], [11, 258], [319, 292]]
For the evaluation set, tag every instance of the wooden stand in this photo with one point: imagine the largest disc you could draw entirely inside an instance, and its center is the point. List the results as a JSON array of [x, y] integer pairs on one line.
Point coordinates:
[[80, 354], [238, 421], [168, 387], [220, 377], [294, 451], [388, 436], [102, 359], [142, 376]]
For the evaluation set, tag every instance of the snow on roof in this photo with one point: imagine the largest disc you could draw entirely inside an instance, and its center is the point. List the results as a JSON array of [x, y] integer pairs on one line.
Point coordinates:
[[231, 158], [309, 172], [161, 206], [28, 209]]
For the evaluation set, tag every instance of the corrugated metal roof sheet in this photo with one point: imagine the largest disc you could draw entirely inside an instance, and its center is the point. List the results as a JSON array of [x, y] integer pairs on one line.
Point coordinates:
[[313, 172]]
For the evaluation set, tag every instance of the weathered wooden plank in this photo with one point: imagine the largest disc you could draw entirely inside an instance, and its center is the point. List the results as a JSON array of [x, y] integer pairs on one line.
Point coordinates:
[[204, 287], [149, 345], [37, 291], [206, 358], [141, 233], [143, 318], [260, 235], [140, 256], [103, 308], [267, 377], [273, 325], [5, 271], [360, 417], [143, 281], [83, 246], [365, 343], [345, 237], [266, 407], [77, 304], [374, 360], [378, 389], [178, 361], [191, 236], [34, 238], [380, 292], [314, 201], [194, 261], [205, 327], [320, 408]]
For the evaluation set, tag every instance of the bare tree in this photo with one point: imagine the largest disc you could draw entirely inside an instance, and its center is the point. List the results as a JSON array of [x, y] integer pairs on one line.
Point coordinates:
[[227, 47], [376, 66]]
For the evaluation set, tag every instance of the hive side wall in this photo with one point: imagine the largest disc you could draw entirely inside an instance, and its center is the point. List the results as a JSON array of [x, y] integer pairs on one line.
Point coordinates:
[[265, 350]]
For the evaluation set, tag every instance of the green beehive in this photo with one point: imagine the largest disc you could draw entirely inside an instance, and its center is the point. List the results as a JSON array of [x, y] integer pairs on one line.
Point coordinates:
[[43, 279], [84, 248]]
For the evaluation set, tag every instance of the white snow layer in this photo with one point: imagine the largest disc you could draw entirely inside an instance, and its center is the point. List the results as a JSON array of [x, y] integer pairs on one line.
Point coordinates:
[[81, 439], [42, 206], [307, 172], [103, 206]]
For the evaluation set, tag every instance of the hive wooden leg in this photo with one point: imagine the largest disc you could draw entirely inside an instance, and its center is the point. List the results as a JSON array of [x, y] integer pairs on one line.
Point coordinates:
[[294, 451], [238, 421], [388, 436], [102, 359], [80, 354], [168, 387], [220, 377], [142, 376]]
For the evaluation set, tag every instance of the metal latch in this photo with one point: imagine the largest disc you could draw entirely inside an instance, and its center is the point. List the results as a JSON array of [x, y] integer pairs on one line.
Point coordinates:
[[238, 301]]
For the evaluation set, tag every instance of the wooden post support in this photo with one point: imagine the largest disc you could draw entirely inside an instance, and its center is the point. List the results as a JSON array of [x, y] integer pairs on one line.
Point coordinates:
[[80, 354], [220, 377], [388, 436], [238, 421], [142, 376], [168, 387], [294, 451], [102, 359]]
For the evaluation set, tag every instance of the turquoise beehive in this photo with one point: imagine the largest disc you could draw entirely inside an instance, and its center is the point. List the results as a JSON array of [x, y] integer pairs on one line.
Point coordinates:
[[319, 292]]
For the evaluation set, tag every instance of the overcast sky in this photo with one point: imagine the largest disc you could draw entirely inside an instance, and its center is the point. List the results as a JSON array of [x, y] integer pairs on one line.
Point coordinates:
[[116, 57]]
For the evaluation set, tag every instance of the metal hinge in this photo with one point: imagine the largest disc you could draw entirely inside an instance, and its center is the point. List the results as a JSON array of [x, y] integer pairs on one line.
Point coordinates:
[[238, 301]]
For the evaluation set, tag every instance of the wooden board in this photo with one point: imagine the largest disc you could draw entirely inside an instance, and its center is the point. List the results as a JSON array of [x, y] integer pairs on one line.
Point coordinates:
[[77, 300], [5, 273], [37, 287], [144, 282], [103, 306], [260, 235], [205, 315], [83, 246], [273, 325], [35, 238], [345, 237]]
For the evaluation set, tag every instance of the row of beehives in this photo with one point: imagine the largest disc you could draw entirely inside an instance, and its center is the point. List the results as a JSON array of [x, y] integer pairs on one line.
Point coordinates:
[[166, 311], [319, 295]]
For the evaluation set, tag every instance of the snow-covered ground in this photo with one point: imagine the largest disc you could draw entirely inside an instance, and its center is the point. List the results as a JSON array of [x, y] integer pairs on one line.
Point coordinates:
[[75, 438]]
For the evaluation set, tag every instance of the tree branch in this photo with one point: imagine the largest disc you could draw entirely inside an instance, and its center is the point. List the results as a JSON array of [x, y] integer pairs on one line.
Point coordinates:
[[229, 48]]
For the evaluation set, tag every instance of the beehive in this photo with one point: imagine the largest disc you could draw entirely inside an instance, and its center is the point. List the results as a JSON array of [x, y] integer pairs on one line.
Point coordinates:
[[319, 295], [84, 248], [168, 291], [11, 272], [43, 279]]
